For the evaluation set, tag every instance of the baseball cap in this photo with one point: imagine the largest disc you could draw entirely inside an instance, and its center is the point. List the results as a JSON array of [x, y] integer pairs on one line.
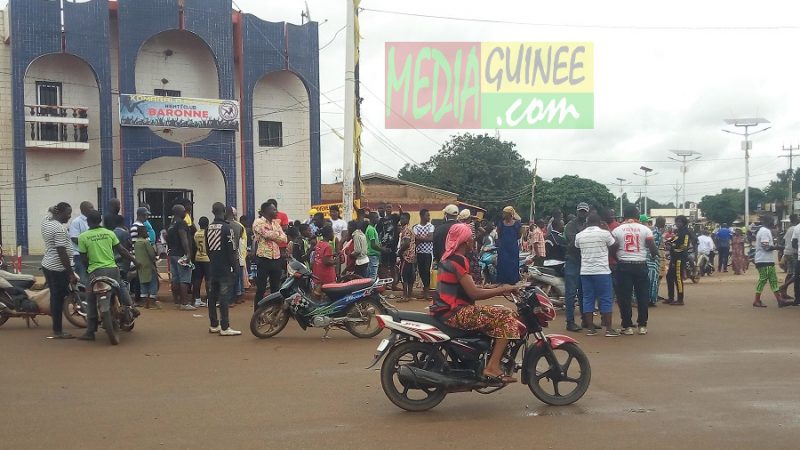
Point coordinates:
[[464, 214], [583, 206], [312, 211], [643, 218], [142, 210], [450, 210]]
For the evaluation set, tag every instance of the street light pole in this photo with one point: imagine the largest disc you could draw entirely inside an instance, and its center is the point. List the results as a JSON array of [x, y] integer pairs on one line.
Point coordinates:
[[622, 183], [647, 173], [684, 155], [747, 146]]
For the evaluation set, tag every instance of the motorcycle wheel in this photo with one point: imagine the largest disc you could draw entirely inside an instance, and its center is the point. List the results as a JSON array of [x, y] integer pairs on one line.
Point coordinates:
[[418, 355], [128, 327], [72, 311], [111, 328], [549, 390], [268, 320], [359, 310], [3, 319]]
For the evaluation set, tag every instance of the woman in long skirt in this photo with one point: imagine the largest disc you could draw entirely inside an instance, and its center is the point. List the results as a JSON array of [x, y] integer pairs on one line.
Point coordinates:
[[508, 234], [738, 256]]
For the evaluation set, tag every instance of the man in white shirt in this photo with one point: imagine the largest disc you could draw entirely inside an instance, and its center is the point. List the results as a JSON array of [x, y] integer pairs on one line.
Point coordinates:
[[76, 227], [765, 263], [633, 240], [789, 256], [338, 224], [705, 245], [593, 243]]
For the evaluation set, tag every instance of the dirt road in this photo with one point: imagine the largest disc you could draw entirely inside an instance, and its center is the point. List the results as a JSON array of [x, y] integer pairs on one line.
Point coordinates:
[[716, 373]]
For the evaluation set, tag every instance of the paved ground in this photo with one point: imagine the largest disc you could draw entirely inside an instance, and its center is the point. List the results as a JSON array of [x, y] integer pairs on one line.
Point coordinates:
[[713, 374]]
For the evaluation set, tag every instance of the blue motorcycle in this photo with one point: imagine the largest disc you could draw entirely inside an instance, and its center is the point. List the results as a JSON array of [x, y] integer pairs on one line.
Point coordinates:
[[488, 264], [351, 306]]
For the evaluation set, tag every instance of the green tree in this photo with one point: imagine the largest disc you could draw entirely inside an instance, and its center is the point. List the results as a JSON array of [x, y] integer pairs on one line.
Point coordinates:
[[564, 193], [728, 205], [778, 189], [481, 169]]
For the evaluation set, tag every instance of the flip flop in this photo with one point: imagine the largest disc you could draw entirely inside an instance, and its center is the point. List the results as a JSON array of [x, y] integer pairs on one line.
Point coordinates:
[[759, 305], [502, 379]]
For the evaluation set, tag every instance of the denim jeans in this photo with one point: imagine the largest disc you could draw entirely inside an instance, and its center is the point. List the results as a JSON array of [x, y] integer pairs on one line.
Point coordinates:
[[80, 269], [597, 288], [633, 278], [374, 262], [220, 293], [91, 299], [572, 288]]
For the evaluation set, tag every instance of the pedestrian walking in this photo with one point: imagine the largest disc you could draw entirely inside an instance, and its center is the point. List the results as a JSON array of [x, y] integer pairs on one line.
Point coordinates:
[[593, 243], [223, 258], [633, 241], [765, 264], [56, 264]]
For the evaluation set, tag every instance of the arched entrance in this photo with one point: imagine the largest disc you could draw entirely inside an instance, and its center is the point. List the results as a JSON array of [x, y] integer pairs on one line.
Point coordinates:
[[159, 182]]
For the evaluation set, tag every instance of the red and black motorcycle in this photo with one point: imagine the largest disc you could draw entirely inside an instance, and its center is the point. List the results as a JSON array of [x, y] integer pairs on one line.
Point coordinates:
[[426, 359]]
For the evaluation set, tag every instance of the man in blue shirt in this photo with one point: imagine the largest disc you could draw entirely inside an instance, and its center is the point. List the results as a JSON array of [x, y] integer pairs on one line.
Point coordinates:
[[724, 246], [76, 227]]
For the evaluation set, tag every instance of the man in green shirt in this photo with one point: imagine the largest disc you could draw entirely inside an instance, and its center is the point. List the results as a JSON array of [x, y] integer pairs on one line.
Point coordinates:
[[97, 246], [374, 248]]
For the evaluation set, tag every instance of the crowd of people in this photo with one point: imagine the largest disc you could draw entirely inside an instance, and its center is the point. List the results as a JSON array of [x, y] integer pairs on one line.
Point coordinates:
[[603, 258]]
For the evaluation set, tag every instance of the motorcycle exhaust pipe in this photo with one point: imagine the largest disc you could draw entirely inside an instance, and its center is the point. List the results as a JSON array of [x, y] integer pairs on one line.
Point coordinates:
[[425, 378]]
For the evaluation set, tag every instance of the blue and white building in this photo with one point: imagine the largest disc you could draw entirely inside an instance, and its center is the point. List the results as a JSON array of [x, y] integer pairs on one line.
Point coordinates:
[[65, 64]]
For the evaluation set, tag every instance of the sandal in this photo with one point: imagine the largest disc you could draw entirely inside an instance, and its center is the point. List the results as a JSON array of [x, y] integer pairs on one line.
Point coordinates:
[[759, 305], [502, 379]]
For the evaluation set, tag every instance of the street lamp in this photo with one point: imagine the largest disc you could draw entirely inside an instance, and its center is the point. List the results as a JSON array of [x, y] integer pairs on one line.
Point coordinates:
[[647, 173], [684, 154], [622, 183], [746, 123]]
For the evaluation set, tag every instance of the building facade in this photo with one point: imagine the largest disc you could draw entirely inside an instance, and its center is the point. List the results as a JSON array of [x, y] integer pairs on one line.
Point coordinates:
[[65, 67]]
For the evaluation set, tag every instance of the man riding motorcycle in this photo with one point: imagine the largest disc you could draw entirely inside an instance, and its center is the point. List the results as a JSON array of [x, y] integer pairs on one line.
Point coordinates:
[[454, 301], [97, 246]]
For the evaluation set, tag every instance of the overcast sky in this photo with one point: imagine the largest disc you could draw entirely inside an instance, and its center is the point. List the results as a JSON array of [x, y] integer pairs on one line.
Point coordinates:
[[655, 89]]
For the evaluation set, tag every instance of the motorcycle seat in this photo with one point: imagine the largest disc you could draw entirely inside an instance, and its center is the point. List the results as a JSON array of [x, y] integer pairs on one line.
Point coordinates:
[[342, 289], [430, 320]]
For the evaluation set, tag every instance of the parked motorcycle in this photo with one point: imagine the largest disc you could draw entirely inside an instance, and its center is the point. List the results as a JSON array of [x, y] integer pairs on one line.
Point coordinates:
[[426, 359], [351, 306], [550, 278], [17, 300], [112, 315]]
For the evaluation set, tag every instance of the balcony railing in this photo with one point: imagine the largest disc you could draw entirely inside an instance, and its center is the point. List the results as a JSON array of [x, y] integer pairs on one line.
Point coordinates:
[[57, 127]]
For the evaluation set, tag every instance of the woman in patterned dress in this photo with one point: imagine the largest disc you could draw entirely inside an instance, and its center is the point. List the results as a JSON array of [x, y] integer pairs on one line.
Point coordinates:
[[454, 302]]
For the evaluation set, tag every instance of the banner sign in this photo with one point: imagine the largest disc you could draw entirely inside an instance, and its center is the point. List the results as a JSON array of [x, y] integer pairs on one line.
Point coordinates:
[[462, 85], [137, 110]]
